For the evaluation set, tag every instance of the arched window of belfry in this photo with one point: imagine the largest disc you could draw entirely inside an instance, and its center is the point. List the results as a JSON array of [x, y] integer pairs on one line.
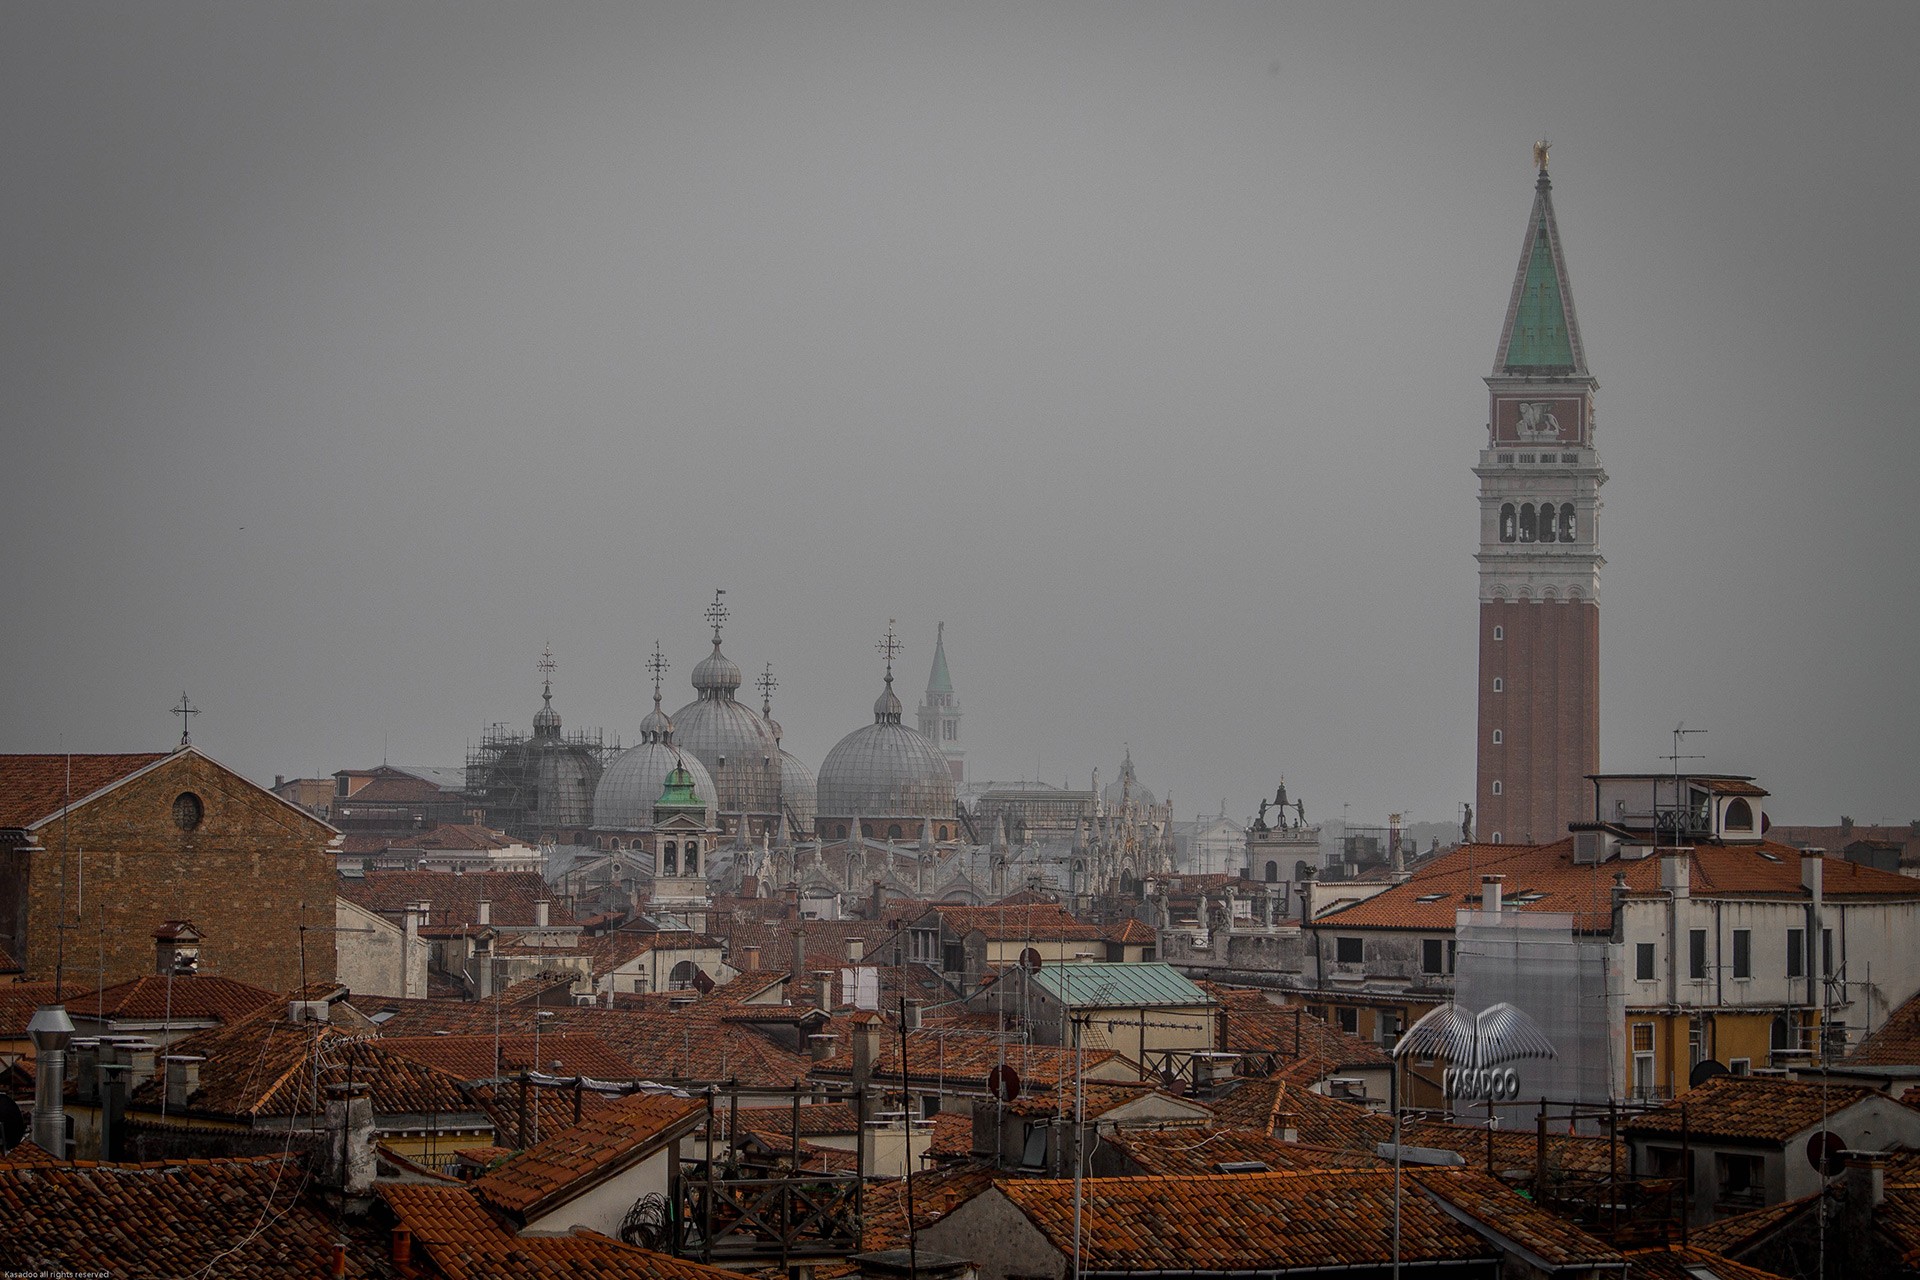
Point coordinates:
[[1568, 528], [1546, 523], [1508, 532], [693, 857], [670, 859], [1527, 530]]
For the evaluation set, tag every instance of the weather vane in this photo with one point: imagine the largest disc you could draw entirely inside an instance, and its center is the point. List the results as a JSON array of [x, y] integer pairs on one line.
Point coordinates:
[[717, 614], [889, 649], [1540, 154], [766, 684], [658, 666], [184, 710]]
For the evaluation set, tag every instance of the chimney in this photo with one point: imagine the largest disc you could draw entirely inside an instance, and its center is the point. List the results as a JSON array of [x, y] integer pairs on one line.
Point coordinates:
[[485, 915], [349, 1158], [856, 950], [183, 1079], [402, 1246], [51, 1031], [1676, 872], [138, 1054], [750, 959], [913, 1014], [1846, 826], [337, 1261], [279, 781], [866, 1048], [1490, 894], [823, 990], [541, 916], [86, 1070], [1867, 1178], [820, 1045]]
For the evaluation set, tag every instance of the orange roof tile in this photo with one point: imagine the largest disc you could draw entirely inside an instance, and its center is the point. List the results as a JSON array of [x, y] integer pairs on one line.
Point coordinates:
[[1895, 1043], [1132, 933], [1690, 1262], [1749, 1107], [1039, 921], [456, 898], [561, 1167], [1186, 1152], [248, 1218], [471, 1057], [153, 998], [1273, 1221], [1762, 869], [33, 787]]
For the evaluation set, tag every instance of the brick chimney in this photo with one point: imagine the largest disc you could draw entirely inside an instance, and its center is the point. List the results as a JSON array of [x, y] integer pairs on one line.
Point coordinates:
[[349, 1166], [868, 1027], [750, 959]]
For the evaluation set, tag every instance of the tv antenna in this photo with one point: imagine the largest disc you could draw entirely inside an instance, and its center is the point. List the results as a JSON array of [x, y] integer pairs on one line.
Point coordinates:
[[1680, 731]]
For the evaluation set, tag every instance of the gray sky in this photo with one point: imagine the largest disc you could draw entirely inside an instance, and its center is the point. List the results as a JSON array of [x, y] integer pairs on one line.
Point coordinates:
[[354, 352]]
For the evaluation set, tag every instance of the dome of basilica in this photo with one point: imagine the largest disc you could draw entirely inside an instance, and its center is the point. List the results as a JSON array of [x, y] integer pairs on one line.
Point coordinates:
[[799, 792], [634, 782], [886, 770], [736, 746]]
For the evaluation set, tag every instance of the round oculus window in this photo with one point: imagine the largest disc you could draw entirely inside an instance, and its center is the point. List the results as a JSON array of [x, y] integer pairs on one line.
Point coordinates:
[[188, 811]]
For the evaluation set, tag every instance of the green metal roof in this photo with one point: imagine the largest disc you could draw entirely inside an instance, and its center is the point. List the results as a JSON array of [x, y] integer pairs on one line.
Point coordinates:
[[940, 681], [679, 793], [1540, 338], [1085, 984]]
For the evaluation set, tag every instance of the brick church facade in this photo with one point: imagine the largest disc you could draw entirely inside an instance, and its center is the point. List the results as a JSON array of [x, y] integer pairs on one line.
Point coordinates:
[[153, 838], [1539, 679]]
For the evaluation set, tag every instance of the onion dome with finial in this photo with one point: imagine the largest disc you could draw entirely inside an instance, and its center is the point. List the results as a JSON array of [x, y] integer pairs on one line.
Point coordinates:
[[887, 774], [632, 785], [728, 737]]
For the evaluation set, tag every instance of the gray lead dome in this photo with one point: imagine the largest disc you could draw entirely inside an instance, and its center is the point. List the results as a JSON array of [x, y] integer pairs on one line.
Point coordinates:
[[886, 770]]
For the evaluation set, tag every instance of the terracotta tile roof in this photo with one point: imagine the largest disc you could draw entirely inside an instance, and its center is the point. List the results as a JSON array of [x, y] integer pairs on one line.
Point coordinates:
[[1024, 922], [1192, 1153], [195, 998], [1132, 933], [1290, 1033], [456, 898], [1690, 1262], [963, 1060], [548, 1110], [243, 1218], [264, 1066], [470, 1057], [1749, 1107], [1735, 870], [817, 1119], [1514, 1149], [465, 1242], [33, 787], [1738, 1232], [952, 1134], [561, 1167], [18, 1000], [1895, 1043], [1269, 1106], [690, 1045], [1101, 1097], [1273, 1221], [825, 941], [935, 1195], [7, 963]]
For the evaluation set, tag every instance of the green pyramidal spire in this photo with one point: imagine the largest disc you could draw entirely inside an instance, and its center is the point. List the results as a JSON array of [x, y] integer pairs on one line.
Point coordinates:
[[1541, 335], [939, 681]]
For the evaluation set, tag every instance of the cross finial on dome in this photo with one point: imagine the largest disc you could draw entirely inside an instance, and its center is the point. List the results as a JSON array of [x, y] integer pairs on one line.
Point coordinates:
[[889, 649], [766, 684], [717, 614], [658, 666], [546, 666]]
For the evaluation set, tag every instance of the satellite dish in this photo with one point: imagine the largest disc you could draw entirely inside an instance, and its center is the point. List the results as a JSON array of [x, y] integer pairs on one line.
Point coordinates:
[[1827, 1153], [1030, 960], [1003, 1082], [1703, 1071]]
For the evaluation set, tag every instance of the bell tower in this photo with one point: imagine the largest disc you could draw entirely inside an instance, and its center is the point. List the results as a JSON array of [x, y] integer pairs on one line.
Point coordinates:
[[939, 713], [1539, 694]]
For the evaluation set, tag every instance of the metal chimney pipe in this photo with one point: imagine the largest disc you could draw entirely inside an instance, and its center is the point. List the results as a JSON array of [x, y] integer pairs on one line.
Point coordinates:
[[51, 1031]]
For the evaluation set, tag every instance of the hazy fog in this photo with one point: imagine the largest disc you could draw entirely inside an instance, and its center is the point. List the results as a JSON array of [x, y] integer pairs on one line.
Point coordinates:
[[353, 353]]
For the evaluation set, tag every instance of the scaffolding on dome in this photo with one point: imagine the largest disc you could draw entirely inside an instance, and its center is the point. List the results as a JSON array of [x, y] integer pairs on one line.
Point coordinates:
[[531, 786]]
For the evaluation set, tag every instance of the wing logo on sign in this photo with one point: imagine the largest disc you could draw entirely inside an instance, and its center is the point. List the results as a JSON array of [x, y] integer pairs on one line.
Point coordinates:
[[1478, 1048]]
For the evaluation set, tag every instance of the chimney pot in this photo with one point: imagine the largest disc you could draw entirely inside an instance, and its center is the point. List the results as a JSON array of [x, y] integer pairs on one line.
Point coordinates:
[[485, 915], [402, 1245], [1490, 889], [183, 1079], [856, 950], [750, 959], [541, 915]]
